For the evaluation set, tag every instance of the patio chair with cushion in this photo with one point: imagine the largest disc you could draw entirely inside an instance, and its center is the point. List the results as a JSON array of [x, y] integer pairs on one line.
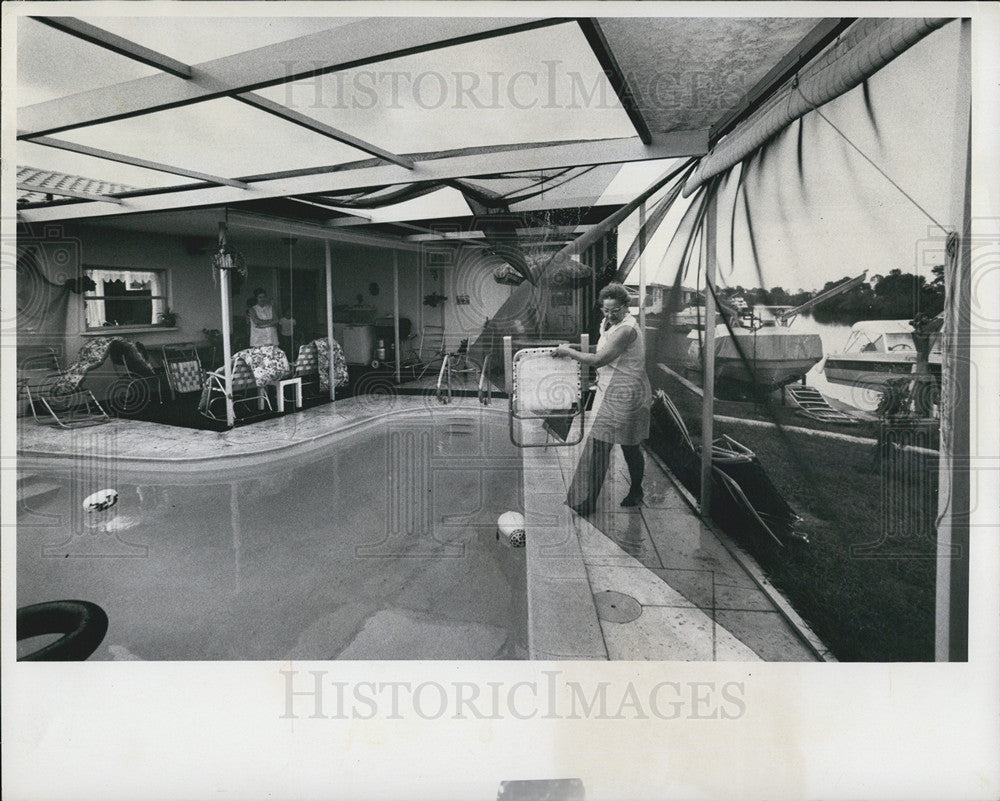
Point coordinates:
[[253, 371], [306, 367], [41, 382], [312, 366]]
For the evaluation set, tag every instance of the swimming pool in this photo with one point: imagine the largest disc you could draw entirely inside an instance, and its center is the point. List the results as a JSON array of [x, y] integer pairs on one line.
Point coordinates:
[[380, 545]]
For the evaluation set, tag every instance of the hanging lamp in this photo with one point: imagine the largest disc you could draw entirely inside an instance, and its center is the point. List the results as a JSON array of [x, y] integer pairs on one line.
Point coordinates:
[[227, 257]]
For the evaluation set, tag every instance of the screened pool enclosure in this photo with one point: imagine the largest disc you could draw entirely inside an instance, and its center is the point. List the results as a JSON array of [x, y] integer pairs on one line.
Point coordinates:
[[420, 188]]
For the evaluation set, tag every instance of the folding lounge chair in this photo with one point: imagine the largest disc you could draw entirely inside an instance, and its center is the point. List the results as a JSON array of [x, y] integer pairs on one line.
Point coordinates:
[[550, 390], [37, 377], [183, 367], [36, 370], [136, 384], [431, 351]]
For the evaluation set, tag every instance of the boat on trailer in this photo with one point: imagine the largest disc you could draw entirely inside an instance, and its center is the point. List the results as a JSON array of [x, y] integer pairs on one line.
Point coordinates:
[[760, 351], [772, 356], [877, 352]]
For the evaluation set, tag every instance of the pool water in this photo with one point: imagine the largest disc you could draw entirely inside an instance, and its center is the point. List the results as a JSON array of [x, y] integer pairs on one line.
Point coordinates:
[[382, 546]]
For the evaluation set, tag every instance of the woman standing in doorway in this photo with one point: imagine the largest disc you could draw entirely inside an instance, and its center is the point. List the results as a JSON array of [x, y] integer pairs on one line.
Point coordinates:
[[621, 405], [264, 320]]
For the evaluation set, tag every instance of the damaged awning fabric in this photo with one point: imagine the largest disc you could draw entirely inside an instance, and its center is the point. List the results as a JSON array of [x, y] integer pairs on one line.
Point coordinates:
[[862, 51]]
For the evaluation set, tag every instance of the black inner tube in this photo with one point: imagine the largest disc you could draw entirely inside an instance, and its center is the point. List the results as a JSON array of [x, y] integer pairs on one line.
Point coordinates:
[[83, 625]]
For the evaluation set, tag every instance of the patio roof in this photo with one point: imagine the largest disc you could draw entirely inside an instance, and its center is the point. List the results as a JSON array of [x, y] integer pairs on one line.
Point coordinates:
[[363, 122]]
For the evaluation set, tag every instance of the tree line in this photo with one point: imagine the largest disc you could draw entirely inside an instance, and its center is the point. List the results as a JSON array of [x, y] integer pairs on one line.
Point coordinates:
[[896, 296]]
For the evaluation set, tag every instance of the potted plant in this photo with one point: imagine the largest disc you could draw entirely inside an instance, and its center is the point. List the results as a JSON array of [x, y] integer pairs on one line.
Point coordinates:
[[168, 317], [214, 336]]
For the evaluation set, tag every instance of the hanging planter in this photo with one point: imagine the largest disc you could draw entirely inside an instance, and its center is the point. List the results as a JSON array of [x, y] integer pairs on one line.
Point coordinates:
[[227, 258]]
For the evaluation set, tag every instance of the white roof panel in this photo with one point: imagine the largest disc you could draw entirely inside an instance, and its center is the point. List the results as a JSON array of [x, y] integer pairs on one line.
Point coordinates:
[[53, 64], [223, 137], [194, 40], [536, 86]]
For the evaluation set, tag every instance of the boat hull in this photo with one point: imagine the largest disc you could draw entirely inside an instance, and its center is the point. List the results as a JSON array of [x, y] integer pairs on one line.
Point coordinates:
[[873, 371], [775, 373], [773, 357]]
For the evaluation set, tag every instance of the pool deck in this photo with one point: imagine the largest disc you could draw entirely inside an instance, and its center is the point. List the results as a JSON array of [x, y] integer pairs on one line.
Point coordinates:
[[655, 582], [649, 583]]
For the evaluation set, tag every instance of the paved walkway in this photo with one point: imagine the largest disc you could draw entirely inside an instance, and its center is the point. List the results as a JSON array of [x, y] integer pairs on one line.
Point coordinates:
[[662, 584]]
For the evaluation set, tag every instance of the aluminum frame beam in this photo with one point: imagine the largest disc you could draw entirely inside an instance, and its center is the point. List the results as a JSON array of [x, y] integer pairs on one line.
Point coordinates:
[[458, 236], [356, 217], [260, 222], [602, 50], [108, 155], [297, 118]]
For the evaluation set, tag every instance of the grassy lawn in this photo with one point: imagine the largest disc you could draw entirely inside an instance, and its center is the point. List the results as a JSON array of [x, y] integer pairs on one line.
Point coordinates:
[[868, 594]]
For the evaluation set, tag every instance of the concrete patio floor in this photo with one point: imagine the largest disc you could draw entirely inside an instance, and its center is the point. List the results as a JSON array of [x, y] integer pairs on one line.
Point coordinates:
[[663, 584]]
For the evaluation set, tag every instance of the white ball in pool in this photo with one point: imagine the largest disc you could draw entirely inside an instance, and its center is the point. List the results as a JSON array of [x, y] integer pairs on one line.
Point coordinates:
[[510, 526], [101, 500]]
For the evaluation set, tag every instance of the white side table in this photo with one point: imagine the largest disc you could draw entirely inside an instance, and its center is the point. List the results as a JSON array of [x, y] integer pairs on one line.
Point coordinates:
[[289, 382]]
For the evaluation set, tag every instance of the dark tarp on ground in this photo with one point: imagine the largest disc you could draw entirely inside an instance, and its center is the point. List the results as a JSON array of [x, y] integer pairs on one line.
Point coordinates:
[[755, 513]]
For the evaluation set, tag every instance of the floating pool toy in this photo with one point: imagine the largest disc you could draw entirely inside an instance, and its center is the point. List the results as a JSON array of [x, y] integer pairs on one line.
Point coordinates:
[[510, 528], [101, 501]]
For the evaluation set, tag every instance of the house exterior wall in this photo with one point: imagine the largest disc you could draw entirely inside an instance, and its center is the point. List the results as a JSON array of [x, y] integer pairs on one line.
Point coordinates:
[[469, 277], [191, 290], [194, 294]]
